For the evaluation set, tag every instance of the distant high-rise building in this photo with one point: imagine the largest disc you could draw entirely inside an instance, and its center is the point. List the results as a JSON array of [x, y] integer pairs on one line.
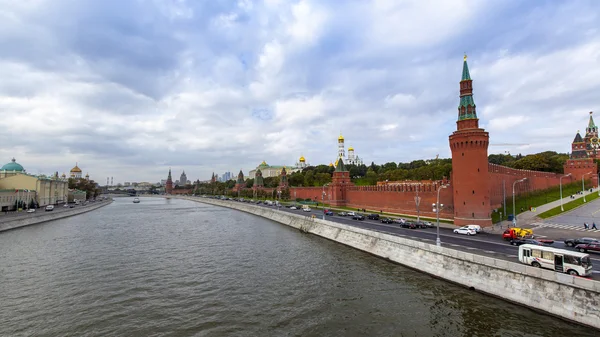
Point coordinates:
[[183, 179]]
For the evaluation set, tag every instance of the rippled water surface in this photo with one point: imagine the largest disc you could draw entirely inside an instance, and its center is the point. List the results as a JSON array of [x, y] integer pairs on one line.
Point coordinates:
[[168, 267]]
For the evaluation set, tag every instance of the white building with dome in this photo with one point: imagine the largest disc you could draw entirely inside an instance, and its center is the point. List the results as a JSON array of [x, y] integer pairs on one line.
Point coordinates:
[[351, 159]]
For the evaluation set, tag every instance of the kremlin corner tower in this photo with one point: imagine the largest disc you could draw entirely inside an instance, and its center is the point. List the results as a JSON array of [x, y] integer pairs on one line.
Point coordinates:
[[469, 146]]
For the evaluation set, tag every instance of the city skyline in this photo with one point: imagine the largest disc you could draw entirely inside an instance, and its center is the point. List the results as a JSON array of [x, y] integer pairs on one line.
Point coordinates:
[[276, 80]]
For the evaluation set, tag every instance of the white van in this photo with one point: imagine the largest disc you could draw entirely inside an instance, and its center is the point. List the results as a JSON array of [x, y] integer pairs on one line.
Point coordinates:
[[476, 228]]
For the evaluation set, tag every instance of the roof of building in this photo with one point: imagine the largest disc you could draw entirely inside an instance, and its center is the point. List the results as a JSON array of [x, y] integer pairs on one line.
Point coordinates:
[[302, 159], [264, 163], [12, 166], [339, 166], [591, 124], [76, 169], [465, 73], [578, 138], [341, 137], [350, 148]]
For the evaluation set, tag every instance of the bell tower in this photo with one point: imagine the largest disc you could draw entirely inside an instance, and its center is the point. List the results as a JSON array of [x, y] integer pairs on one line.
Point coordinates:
[[340, 181], [169, 184], [469, 146]]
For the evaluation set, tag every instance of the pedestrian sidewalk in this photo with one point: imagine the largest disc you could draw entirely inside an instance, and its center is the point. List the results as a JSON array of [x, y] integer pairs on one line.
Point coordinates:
[[529, 217]]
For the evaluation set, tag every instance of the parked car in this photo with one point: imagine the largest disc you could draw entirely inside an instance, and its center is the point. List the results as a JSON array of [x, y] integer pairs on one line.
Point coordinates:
[[518, 242], [31, 210], [342, 214], [387, 220], [409, 224], [373, 216], [358, 217], [351, 214], [399, 221], [49, 208], [465, 230], [476, 228], [575, 242], [585, 247]]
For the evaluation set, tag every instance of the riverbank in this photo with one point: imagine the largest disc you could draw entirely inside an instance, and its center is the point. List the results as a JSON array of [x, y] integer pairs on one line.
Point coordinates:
[[564, 296], [28, 219]]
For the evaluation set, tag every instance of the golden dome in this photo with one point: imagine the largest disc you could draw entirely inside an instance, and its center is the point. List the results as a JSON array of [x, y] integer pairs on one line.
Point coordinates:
[[330, 164], [336, 162], [302, 160], [341, 138], [350, 148], [76, 169]]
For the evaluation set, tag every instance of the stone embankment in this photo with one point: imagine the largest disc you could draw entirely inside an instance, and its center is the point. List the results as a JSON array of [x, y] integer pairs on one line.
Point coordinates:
[[34, 219], [565, 296]]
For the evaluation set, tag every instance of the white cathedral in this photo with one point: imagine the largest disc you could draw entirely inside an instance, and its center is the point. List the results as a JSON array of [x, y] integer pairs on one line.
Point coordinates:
[[352, 158]]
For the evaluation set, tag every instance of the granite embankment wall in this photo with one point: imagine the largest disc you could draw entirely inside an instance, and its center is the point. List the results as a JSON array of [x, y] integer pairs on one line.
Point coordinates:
[[26, 220], [572, 298]]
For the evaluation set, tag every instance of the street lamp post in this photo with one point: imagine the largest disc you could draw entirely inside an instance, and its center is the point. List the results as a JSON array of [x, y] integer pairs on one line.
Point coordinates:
[[598, 184], [323, 200], [562, 209], [278, 197], [418, 202], [513, 195], [583, 185], [438, 242]]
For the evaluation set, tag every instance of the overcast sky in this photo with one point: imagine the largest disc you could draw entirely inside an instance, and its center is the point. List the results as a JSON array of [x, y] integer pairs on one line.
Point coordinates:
[[129, 88]]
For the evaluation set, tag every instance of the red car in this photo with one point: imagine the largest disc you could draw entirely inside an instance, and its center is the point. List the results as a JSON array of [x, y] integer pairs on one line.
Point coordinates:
[[592, 247]]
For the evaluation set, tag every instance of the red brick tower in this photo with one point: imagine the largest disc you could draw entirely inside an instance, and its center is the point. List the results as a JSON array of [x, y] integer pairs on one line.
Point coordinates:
[[580, 163], [469, 145], [169, 185], [283, 181], [339, 183], [239, 184]]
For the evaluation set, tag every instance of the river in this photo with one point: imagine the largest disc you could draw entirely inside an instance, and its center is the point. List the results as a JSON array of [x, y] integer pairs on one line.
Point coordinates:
[[169, 267]]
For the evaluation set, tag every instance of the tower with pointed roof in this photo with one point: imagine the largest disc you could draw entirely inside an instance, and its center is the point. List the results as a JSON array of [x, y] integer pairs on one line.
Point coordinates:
[[258, 180], [469, 146], [239, 183], [341, 151], [578, 149], [340, 181], [283, 180], [592, 144], [169, 184], [584, 151]]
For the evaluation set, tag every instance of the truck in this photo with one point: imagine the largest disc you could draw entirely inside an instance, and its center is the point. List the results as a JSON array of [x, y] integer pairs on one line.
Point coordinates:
[[517, 233]]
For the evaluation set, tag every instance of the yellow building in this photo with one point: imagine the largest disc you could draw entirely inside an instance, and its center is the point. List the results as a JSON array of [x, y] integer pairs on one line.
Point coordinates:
[[275, 170], [45, 190]]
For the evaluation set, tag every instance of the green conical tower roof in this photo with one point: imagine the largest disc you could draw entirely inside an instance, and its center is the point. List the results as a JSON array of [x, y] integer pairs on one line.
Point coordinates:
[[340, 165], [591, 124], [465, 73]]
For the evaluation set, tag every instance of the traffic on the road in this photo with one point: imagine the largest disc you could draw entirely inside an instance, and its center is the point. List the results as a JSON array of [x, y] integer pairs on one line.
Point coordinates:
[[468, 238]]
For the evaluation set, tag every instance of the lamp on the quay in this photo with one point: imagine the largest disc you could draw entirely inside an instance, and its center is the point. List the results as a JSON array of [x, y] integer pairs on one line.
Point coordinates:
[[437, 206], [583, 185], [560, 183], [323, 199], [513, 195]]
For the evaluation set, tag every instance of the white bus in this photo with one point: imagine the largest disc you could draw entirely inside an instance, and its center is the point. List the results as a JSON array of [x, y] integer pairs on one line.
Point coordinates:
[[560, 260]]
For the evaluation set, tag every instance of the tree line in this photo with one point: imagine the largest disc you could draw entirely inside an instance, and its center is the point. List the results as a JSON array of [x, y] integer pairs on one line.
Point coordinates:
[[432, 169]]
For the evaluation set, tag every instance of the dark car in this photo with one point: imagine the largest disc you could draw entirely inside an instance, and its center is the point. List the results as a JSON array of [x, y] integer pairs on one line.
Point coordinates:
[[518, 242], [358, 217], [373, 216], [387, 220], [327, 212], [409, 224], [585, 247], [575, 242]]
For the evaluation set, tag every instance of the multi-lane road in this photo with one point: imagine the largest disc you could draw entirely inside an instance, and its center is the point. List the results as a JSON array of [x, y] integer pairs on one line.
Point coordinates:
[[486, 244]]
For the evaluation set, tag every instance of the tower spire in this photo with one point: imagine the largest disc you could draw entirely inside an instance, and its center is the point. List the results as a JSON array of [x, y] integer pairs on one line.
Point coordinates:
[[467, 115]]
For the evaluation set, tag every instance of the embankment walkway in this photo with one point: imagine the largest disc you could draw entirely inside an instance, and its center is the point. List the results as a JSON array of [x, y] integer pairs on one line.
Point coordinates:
[[23, 219]]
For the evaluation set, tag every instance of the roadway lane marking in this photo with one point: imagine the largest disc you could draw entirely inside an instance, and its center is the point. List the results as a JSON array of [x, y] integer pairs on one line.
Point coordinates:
[[490, 251], [596, 212], [470, 247]]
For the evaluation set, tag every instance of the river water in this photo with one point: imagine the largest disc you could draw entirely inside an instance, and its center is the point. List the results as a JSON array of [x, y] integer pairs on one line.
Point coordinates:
[[168, 267]]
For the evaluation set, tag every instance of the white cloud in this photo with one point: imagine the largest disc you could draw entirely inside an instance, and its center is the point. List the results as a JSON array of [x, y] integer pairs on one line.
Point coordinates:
[[132, 88]]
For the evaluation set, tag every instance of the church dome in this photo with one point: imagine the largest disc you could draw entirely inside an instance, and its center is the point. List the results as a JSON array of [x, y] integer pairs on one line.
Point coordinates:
[[302, 159], [331, 164], [341, 138], [13, 166], [76, 169], [264, 163], [350, 148]]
